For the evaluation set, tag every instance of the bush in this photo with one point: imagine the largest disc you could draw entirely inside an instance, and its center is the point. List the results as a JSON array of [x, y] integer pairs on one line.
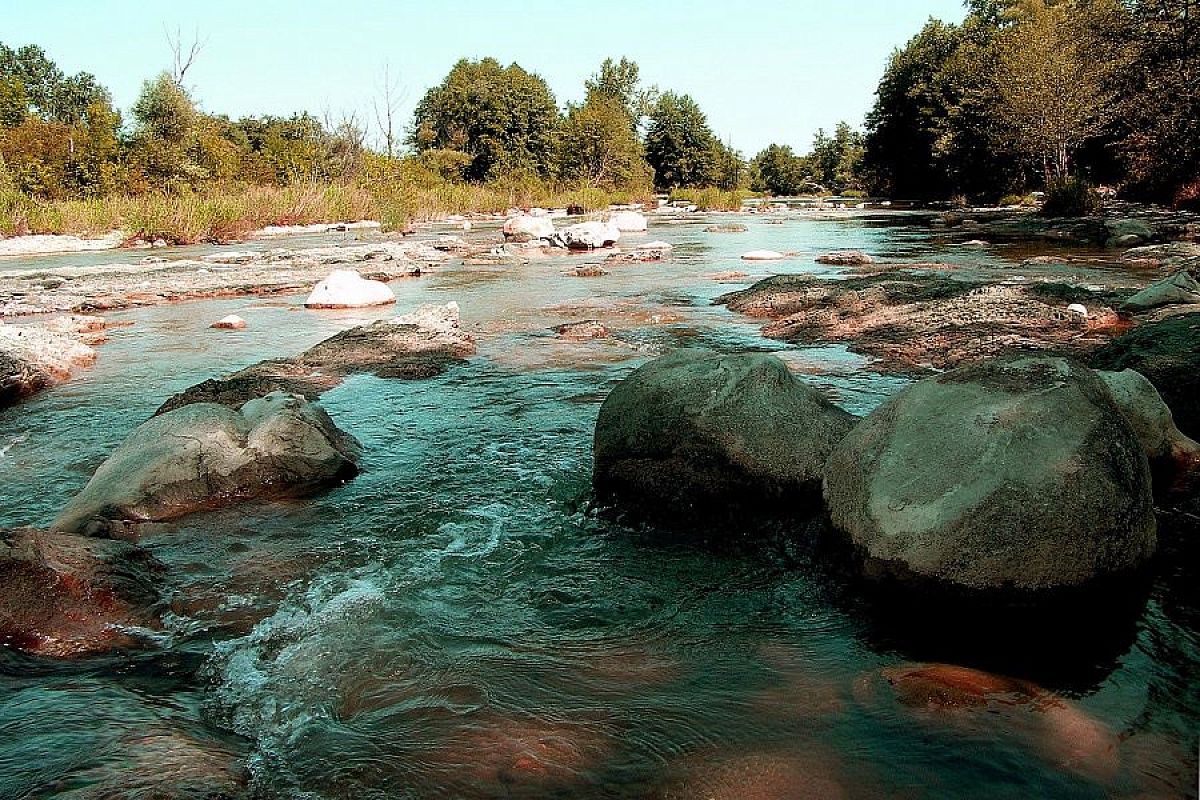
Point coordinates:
[[1071, 197]]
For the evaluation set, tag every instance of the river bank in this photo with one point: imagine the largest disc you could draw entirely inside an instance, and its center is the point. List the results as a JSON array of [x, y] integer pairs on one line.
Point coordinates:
[[457, 620]]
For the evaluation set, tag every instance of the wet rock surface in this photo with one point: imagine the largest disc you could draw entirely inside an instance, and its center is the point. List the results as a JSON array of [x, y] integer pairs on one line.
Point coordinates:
[[695, 432], [1167, 352], [918, 320], [68, 596], [409, 347], [206, 455], [1020, 473]]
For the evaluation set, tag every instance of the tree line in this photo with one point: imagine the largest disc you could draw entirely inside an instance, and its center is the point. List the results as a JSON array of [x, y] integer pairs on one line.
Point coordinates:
[[1026, 94]]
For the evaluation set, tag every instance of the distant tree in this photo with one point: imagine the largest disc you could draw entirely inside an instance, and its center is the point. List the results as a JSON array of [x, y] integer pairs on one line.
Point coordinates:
[[598, 145], [620, 80], [167, 123], [729, 170], [386, 104], [779, 171], [680, 146], [504, 118], [32, 83]]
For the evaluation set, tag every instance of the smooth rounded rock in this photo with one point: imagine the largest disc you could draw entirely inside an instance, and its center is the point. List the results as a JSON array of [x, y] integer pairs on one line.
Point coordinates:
[[697, 431], [1017, 473], [345, 288], [526, 228], [628, 221], [763, 255]]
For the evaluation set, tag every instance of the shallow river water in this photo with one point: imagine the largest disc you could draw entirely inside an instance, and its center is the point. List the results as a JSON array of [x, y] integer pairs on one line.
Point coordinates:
[[458, 622]]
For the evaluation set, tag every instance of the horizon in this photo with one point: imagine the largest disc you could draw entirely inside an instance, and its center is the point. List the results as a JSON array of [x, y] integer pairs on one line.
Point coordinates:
[[343, 78]]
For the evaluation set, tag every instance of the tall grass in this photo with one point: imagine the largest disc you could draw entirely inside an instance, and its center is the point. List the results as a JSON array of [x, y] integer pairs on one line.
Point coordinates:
[[226, 213], [712, 198]]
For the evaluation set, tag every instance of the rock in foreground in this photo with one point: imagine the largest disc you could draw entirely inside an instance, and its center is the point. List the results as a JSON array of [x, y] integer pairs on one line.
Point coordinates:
[[1167, 353], [345, 288], [697, 432], [206, 455], [68, 596], [1018, 473]]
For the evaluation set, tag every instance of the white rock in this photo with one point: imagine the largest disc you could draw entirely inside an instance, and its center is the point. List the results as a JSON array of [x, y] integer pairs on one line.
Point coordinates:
[[590, 235], [1078, 308], [231, 322], [762, 255], [38, 245], [628, 221], [345, 288], [525, 227]]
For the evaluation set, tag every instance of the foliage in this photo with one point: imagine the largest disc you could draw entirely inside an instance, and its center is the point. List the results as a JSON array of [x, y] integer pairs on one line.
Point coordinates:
[[779, 171], [503, 117], [598, 145], [680, 146], [1070, 197]]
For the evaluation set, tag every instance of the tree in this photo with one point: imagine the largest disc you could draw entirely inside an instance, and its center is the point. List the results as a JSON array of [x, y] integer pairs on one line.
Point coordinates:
[[779, 171], [1053, 91], [385, 106], [503, 117], [599, 147], [620, 81], [167, 122], [836, 160], [679, 144]]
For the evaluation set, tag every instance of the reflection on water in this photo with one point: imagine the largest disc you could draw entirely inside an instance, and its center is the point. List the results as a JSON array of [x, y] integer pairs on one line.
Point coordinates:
[[456, 622]]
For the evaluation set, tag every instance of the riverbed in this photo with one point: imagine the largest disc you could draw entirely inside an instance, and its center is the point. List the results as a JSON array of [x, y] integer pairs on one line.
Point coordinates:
[[458, 621]]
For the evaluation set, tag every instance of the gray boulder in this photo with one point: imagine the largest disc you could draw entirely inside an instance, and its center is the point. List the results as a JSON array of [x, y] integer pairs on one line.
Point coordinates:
[[205, 455], [589, 236], [695, 432], [1179, 289], [1174, 458], [1017, 473]]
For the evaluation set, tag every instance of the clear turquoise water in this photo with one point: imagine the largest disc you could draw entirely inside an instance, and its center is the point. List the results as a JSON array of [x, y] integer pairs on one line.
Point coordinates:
[[456, 622]]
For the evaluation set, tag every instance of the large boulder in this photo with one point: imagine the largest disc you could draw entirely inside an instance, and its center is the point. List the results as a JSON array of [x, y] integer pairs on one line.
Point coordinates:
[[345, 288], [695, 432], [526, 228], [1017, 473], [1167, 353], [590, 236], [1179, 289], [68, 596], [628, 221], [205, 455]]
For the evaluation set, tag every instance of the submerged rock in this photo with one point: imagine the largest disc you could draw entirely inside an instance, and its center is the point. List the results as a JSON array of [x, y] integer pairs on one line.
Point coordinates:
[[726, 228], [206, 455], [418, 345], [1167, 353], [68, 596], [845, 258], [231, 322], [33, 358], [763, 255], [696, 432], [792, 774], [583, 330], [1020, 473], [345, 288]]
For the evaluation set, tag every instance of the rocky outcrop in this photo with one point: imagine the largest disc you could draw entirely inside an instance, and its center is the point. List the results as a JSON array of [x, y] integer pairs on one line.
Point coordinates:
[[589, 236], [1167, 353], [345, 288], [1019, 473], [33, 357], [527, 228], [410, 347], [206, 455], [1179, 289], [845, 258], [68, 596], [919, 320], [696, 433]]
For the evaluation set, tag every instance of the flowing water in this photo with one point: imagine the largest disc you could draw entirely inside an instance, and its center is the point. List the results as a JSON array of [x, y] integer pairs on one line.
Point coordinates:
[[458, 622]]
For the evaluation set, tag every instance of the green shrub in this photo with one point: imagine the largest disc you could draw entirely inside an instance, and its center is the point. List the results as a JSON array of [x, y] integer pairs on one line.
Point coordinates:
[[1070, 197]]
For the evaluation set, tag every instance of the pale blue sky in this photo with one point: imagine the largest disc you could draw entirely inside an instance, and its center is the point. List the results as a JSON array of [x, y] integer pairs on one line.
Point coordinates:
[[763, 71]]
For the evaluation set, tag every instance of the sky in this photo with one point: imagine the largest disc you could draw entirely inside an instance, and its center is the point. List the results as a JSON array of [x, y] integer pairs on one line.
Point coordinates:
[[763, 71]]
